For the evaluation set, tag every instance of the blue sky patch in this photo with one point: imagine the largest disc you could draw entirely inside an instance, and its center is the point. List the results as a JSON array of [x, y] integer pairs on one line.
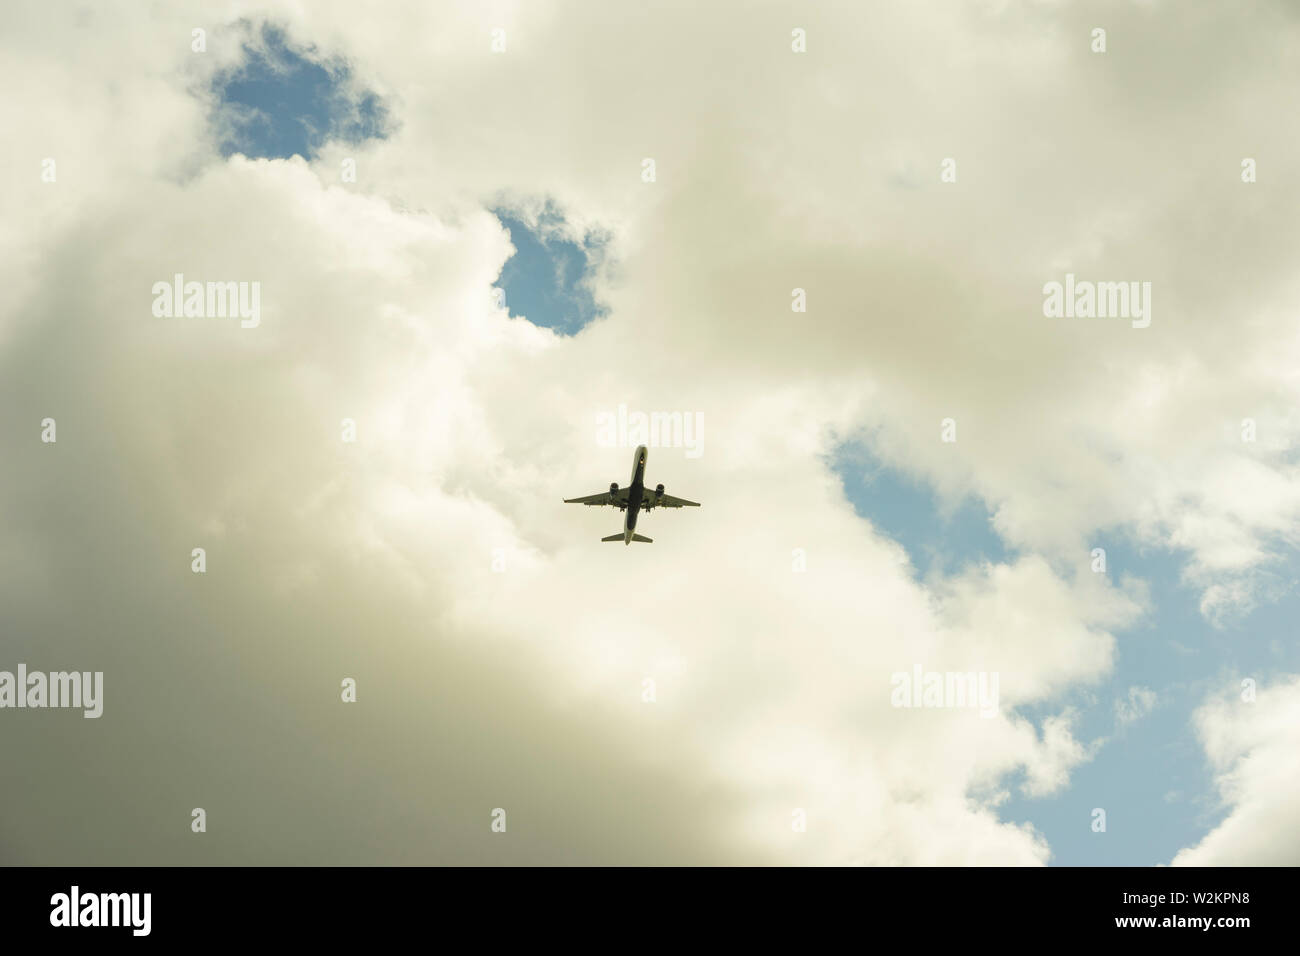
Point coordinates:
[[908, 510], [285, 100], [1151, 777], [1149, 774], [548, 279]]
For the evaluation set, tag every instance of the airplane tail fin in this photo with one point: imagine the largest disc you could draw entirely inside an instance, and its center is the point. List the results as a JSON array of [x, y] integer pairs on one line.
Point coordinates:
[[614, 537], [641, 537]]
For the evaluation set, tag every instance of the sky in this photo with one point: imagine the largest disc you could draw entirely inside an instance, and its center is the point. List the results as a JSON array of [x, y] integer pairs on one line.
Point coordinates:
[[823, 238]]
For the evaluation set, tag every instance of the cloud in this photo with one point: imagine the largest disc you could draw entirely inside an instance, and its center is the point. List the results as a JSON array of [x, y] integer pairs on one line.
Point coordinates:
[[1252, 746], [1139, 702], [522, 688]]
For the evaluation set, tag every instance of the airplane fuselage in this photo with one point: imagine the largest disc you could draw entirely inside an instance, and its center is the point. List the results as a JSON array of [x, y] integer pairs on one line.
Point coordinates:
[[632, 500], [635, 491]]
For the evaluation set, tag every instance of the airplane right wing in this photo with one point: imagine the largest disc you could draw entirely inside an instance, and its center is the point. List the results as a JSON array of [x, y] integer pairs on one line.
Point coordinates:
[[668, 501]]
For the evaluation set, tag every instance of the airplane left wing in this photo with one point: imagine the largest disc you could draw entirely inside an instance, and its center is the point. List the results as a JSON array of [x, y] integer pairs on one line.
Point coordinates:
[[603, 498]]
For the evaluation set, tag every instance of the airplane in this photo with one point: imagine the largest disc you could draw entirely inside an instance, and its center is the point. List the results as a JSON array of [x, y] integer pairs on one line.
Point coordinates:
[[632, 499]]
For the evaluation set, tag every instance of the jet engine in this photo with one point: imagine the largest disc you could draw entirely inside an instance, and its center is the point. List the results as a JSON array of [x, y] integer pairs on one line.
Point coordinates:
[[613, 487], [659, 491]]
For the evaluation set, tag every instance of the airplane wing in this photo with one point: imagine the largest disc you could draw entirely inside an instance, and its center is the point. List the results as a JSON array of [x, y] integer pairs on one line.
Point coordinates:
[[667, 501], [604, 498]]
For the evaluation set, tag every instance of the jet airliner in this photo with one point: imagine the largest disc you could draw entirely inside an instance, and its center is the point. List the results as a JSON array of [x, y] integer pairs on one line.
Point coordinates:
[[632, 499]]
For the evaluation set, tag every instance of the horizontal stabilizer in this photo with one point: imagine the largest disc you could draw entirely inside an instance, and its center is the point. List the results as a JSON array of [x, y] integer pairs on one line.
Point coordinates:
[[614, 537], [641, 537]]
